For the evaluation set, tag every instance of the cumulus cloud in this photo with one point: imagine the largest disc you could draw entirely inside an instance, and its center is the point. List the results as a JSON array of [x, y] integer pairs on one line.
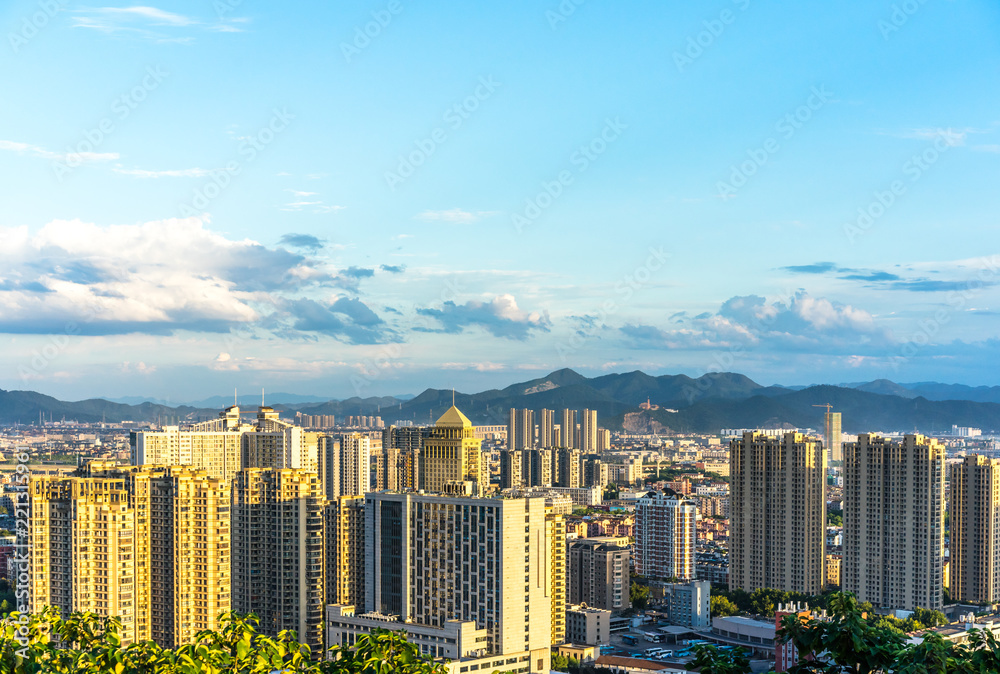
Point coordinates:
[[346, 319], [500, 317], [803, 323], [155, 278]]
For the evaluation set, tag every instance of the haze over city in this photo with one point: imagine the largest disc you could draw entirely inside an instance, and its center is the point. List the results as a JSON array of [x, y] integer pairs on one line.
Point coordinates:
[[204, 196]]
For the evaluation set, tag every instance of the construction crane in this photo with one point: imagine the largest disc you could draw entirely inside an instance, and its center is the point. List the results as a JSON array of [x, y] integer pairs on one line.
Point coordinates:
[[828, 407]]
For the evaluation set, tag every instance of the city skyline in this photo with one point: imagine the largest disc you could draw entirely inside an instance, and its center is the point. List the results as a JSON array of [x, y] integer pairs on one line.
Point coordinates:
[[251, 196]]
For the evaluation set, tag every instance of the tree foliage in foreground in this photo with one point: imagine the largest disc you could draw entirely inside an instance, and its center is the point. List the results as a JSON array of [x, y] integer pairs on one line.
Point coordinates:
[[94, 645], [853, 641]]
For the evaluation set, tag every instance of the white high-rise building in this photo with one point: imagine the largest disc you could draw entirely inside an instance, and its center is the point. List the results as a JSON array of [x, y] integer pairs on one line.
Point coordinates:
[[665, 536]]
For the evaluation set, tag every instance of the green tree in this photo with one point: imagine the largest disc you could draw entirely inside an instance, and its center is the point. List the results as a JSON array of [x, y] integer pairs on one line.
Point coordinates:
[[84, 643], [710, 660], [559, 662], [638, 595], [721, 606]]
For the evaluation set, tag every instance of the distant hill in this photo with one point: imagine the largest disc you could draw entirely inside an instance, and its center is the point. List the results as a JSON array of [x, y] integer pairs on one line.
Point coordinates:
[[704, 404]]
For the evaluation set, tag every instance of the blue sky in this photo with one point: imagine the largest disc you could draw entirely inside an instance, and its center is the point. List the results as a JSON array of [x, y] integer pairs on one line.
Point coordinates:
[[201, 195]]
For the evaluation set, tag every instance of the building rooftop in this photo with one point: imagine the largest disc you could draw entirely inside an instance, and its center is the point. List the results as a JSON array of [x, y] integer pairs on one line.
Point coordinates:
[[453, 417]]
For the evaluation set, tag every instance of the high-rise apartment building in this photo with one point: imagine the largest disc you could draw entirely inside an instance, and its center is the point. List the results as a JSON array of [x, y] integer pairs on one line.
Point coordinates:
[[665, 536], [598, 574], [409, 440], [567, 468], [215, 446], [150, 545], [345, 465], [777, 506], [345, 550], [603, 440], [274, 443], [226, 445], [568, 430], [832, 437], [546, 429], [588, 432], [512, 464], [894, 521], [278, 549], [521, 429], [435, 559], [452, 456], [975, 530]]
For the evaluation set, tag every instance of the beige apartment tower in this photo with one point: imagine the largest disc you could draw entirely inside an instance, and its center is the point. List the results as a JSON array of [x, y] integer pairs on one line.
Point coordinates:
[[278, 549], [778, 513], [149, 545], [345, 550], [832, 437], [894, 521], [975, 530]]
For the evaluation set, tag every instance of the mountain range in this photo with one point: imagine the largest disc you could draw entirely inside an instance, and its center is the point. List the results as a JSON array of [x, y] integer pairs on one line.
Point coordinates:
[[684, 404]]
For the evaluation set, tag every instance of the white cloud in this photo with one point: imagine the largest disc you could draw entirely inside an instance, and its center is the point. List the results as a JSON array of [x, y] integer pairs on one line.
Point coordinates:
[[455, 216], [174, 173], [67, 158], [77, 277]]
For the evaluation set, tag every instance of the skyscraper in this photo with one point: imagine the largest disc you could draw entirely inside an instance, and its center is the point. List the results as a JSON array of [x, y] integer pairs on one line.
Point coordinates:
[[665, 536], [520, 429], [345, 550], [512, 464], [345, 465], [546, 429], [778, 509], [278, 548], [568, 429], [831, 437], [452, 455], [215, 446], [588, 432], [438, 558], [150, 545], [975, 530], [894, 521]]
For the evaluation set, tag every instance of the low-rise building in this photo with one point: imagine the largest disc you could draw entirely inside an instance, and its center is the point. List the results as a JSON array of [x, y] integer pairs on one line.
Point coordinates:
[[587, 625]]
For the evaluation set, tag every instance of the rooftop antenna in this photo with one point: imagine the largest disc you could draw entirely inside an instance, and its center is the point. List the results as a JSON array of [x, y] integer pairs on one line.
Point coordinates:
[[261, 396], [453, 397], [235, 398]]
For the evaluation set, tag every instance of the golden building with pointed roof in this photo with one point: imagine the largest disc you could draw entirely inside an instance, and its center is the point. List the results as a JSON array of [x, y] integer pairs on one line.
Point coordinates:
[[452, 456]]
